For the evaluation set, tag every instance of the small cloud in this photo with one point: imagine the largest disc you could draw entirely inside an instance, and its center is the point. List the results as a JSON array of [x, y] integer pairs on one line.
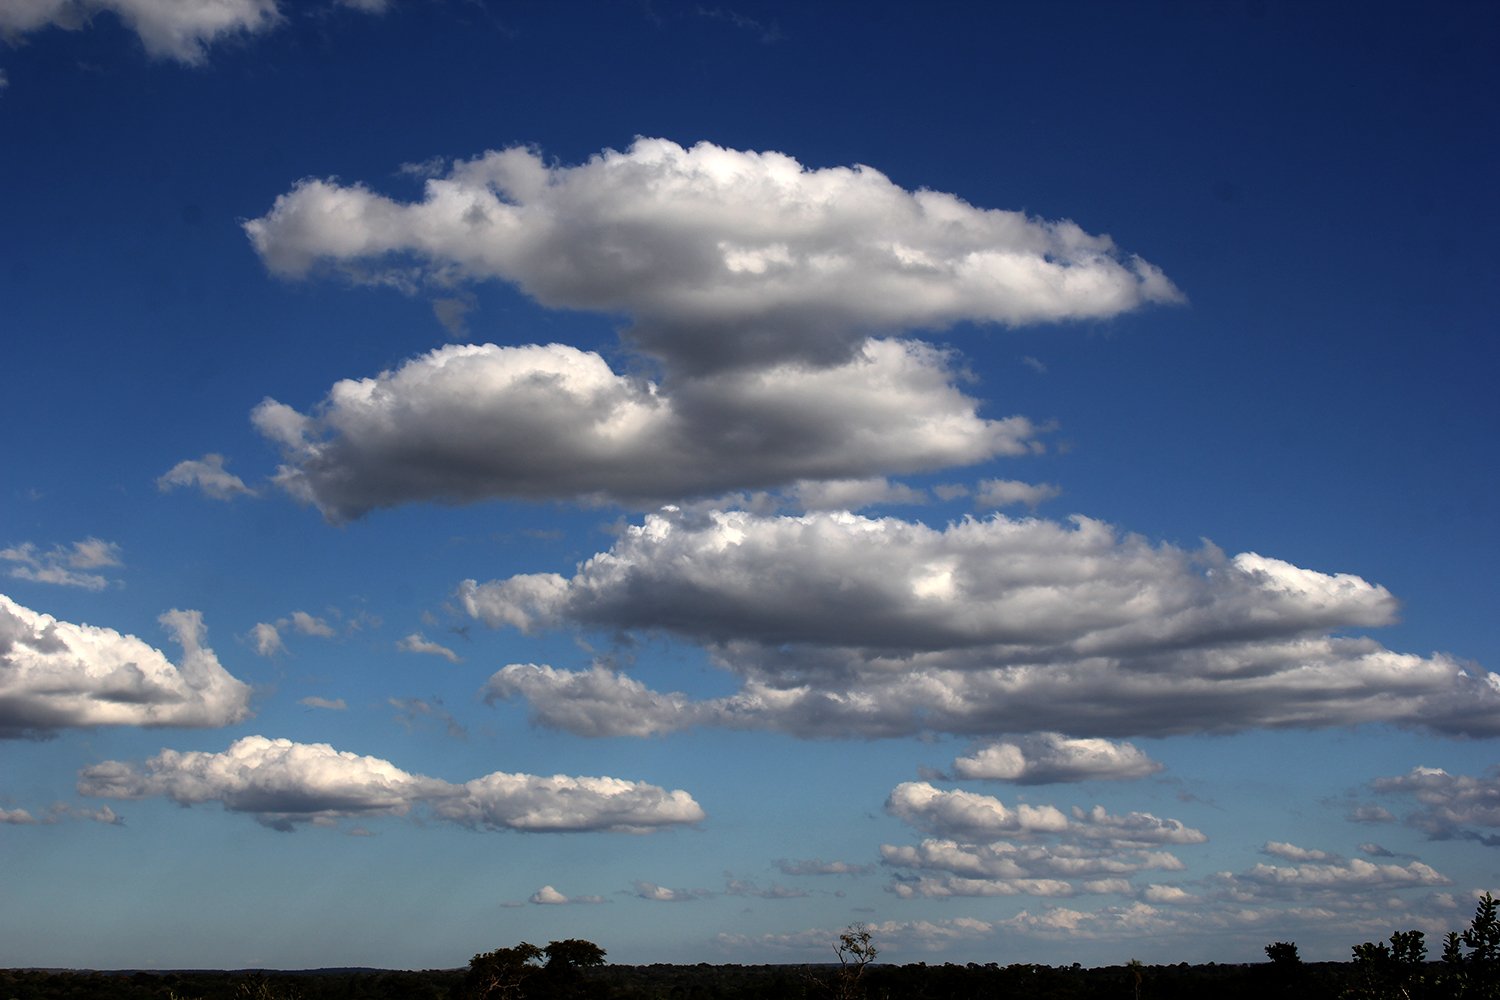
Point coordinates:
[[1034, 364], [415, 643], [413, 712], [817, 866], [1376, 851], [548, 896], [1370, 814], [61, 564], [453, 313], [950, 491], [661, 894], [208, 475], [1009, 492], [267, 639], [310, 625], [332, 704], [16, 817], [767, 34], [1292, 852]]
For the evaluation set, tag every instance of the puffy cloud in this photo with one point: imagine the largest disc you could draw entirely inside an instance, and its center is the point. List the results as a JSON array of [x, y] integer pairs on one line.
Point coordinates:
[[1336, 876], [169, 29], [56, 675], [63, 565], [17, 817], [267, 639], [661, 894], [208, 475], [282, 783], [845, 625], [179, 29], [267, 635], [1452, 805], [1010, 492], [1045, 758], [935, 888], [1291, 852], [416, 643], [967, 815], [548, 896], [1006, 859], [473, 422], [723, 258]]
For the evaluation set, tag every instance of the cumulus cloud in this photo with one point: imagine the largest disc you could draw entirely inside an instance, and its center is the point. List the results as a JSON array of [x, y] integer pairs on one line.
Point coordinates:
[[722, 258], [282, 784], [182, 30], [208, 475], [548, 896], [63, 565], [1291, 852], [1335, 876], [839, 624], [417, 643], [1451, 806], [56, 675], [982, 847], [267, 635], [995, 493], [661, 894], [1047, 758], [853, 494], [474, 422]]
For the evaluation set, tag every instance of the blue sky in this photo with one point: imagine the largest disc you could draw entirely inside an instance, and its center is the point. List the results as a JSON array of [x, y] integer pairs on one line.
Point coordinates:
[[692, 477]]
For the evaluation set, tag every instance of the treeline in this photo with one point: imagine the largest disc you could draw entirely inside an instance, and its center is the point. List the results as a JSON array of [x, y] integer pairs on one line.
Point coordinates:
[[1468, 969]]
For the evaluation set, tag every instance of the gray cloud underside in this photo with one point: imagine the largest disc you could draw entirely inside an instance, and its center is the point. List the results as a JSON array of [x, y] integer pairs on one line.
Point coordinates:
[[1451, 806], [282, 783], [474, 422], [722, 258], [1047, 758], [840, 625], [56, 675]]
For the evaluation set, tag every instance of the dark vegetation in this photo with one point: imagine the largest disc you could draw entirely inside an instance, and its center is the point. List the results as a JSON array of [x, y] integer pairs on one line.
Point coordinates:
[[1469, 969]]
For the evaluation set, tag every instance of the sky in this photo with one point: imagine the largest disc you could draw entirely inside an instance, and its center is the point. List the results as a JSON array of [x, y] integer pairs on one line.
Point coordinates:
[[694, 477]]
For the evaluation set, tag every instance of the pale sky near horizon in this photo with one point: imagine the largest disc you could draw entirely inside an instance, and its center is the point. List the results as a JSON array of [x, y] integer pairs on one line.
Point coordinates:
[[695, 476]]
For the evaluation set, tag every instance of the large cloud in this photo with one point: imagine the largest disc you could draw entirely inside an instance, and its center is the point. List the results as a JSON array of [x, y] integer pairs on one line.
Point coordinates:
[[473, 422], [282, 783], [723, 258], [845, 625], [55, 675]]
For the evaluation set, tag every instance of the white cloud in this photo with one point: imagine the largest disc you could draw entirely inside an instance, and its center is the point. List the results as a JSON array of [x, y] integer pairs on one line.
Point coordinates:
[[661, 894], [332, 704], [473, 422], [17, 817], [1046, 758], [308, 624], [267, 639], [1338, 876], [1006, 859], [548, 896], [996, 493], [62, 565], [169, 29], [1291, 852], [55, 675], [416, 643], [208, 475], [970, 816], [838, 624], [723, 258], [1452, 805], [282, 783]]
